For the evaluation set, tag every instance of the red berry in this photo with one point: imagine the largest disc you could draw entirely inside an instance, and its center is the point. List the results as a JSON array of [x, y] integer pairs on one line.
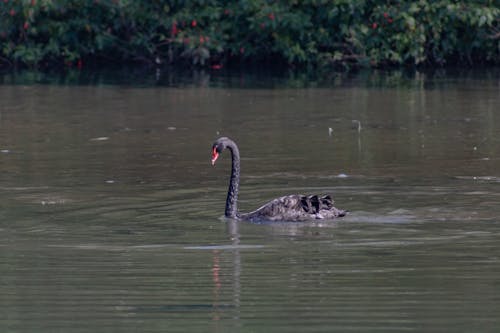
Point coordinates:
[[194, 23], [12, 12], [26, 25], [174, 29], [386, 15], [374, 25], [271, 16]]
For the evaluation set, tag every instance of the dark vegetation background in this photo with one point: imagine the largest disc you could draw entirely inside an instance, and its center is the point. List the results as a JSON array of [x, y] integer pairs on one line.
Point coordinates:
[[313, 33]]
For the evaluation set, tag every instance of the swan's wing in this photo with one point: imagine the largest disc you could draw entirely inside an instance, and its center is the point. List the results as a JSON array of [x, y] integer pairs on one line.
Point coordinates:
[[282, 205], [284, 208], [295, 208]]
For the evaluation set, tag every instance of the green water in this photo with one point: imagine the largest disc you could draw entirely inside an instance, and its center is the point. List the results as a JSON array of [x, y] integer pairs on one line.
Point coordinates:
[[110, 212]]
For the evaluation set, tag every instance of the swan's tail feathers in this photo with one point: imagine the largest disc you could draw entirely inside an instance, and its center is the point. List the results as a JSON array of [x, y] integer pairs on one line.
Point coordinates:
[[342, 213], [327, 202], [313, 204]]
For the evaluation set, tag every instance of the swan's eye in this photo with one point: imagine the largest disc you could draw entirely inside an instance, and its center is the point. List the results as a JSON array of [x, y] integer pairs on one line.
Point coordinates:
[[215, 155]]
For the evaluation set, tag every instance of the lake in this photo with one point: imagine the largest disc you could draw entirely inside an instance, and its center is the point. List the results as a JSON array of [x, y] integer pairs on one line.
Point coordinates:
[[111, 213]]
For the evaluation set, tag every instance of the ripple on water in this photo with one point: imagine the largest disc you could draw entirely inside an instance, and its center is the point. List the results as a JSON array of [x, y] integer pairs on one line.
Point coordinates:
[[492, 179], [224, 247]]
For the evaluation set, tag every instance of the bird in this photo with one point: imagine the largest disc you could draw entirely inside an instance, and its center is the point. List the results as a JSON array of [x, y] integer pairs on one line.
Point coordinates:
[[289, 208]]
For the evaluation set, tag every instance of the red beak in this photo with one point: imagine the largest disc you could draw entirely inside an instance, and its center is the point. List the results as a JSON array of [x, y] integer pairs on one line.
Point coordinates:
[[215, 155]]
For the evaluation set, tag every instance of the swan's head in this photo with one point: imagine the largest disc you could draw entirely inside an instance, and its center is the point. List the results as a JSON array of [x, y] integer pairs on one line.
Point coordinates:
[[219, 145]]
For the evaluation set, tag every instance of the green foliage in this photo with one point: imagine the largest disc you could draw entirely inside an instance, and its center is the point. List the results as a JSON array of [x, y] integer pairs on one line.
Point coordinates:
[[341, 33]]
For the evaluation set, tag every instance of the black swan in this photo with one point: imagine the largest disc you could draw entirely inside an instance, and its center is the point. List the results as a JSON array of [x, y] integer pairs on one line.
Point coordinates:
[[290, 208]]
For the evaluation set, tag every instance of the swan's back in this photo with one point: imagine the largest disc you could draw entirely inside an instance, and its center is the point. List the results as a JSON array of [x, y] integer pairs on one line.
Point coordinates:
[[296, 207]]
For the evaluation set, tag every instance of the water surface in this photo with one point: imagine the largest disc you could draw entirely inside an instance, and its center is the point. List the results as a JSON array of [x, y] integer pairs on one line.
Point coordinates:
[[110, 211]]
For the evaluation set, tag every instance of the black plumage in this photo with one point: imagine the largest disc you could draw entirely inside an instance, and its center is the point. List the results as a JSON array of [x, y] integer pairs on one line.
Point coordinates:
[[290, 208]]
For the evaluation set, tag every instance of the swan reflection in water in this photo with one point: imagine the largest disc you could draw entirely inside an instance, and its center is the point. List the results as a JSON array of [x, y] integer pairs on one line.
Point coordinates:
[[218, 306]]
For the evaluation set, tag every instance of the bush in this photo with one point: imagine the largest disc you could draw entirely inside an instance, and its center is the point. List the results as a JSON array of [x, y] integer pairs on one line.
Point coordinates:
[[342, 33]]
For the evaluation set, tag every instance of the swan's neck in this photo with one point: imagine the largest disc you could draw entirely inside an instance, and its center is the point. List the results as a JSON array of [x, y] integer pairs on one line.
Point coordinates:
[[234, 182]]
